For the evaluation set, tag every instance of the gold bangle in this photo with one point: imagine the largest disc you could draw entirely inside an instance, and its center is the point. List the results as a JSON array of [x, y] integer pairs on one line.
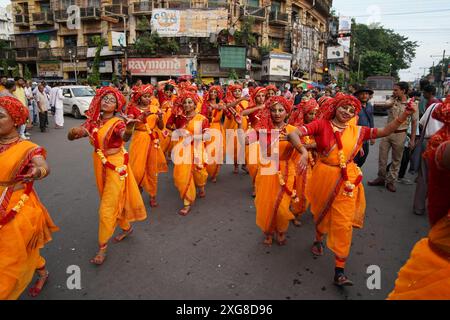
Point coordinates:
[[43, 172]]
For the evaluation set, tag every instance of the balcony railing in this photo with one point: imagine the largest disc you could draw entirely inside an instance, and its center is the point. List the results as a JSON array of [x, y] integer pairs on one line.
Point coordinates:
[[217, 4], [178, 4], [43, 18], [78, 52], [278, 18], [144, 7], [255, 12], [90, 13], [254, 53], [26, 54], [23, 20], [8, 54], [117, 9]]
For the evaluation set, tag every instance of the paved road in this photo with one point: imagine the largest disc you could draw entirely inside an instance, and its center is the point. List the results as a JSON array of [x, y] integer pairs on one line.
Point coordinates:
[[216, 251]]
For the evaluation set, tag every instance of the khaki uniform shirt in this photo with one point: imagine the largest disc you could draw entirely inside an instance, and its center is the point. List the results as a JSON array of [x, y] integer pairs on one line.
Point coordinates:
[[397, 109]]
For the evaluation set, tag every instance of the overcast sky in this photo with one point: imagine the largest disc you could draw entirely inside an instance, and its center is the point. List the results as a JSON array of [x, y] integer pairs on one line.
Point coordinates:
[[424, 21]]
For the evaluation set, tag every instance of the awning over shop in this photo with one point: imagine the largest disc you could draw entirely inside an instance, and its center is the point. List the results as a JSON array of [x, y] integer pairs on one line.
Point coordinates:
[[34, 32]]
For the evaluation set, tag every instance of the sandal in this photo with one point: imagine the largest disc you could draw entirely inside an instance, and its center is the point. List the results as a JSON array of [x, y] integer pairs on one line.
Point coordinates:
[[341, 280], [281, 238], [244, 168], [35, 290], [202, 193], [297, 222], [317, 248], [268, 240], [99, 258], [123, 235], [214, 180], [184, 211], [153, 203]]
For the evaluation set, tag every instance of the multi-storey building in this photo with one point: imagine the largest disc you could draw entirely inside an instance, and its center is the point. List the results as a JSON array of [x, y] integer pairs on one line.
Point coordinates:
[[50, 47], [6, 33]]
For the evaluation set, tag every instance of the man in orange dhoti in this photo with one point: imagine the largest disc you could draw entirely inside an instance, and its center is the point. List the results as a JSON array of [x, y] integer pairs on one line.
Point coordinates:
[[426, 275], [335, 191], [121, 202], [25, 225]]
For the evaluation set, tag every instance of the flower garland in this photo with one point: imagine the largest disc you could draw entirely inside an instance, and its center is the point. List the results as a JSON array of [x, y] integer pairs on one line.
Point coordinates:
[[153, 136], [18, 207], [348, 186], [121, 170], [311, 161], [293, 194]]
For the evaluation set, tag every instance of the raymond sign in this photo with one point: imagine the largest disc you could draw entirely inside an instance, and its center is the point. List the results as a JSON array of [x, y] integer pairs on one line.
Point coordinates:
[[188, 23], [161, 66]]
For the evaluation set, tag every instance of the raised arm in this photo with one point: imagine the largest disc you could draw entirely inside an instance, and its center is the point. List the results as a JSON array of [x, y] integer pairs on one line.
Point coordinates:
[[394, 124]]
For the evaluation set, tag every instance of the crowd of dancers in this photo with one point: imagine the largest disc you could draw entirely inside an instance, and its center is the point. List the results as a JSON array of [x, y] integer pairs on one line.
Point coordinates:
[[298, 157]]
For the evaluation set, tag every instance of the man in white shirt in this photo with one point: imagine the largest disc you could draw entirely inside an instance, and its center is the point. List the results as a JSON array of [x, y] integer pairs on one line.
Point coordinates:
[[429, 127], [43, 105], [58, 105]]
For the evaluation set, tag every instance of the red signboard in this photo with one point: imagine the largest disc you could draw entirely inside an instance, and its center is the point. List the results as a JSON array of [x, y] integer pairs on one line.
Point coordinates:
[[160, 66]]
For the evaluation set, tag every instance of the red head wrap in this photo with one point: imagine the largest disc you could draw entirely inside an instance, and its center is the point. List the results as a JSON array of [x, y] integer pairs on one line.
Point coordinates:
[[178, 104], [329, 107], [231, 88], [93, 113], [265, 117], [271, 87], [255, 92], [17, 111], [440, 113], [138, 92], [308, 105]]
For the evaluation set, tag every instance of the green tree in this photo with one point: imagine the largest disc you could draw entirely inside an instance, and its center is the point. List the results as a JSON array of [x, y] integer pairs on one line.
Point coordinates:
[[150, 43], [5, 67], [376, 63], [15, 72], [245, 36], [233, 75], [375, 38], [94, 77], [27, 73]]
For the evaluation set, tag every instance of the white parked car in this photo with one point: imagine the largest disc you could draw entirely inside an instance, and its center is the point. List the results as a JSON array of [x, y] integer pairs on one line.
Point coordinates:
[[77, 99]]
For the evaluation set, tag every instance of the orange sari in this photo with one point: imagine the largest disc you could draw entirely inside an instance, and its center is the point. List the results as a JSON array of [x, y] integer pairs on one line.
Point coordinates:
[[165, 137], [231, 124], [426, 275], [272, 198], [121, 202], [188, 174], [301, 181], [22, 237], [213, 167], [334, 213], [146, 156]]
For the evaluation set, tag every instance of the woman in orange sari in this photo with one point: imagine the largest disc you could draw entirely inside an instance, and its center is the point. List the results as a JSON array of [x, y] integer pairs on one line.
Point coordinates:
[[121, 202], [146, 157], [275, 188], [188, 154], [212, 109], [167, 99], [235, 104], [304, 113], [254, 110], [426, 275], [25, 225], [335, 192]]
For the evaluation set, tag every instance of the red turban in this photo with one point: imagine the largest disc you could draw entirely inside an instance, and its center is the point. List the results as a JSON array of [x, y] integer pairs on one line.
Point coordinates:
[[16, 109], [93, 114], [265, 117], [440, 113], [271, 87], [178, 104], [255, 92], [219, 91], [308, 105], [138, 91], [329, 107], [231, 88]]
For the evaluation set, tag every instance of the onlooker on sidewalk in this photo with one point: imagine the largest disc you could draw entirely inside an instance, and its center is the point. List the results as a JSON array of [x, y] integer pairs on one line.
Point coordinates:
[[396, 105], [59, 104], [429, 127], [31, 104], [19, 93], [43, 106], [8, 89]]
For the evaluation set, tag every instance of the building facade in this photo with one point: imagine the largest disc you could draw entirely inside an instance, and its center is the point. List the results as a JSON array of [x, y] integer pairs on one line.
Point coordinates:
[[56, 38]]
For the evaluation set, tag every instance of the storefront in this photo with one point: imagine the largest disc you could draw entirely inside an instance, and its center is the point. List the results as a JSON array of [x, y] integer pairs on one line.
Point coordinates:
[[158, 69]]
